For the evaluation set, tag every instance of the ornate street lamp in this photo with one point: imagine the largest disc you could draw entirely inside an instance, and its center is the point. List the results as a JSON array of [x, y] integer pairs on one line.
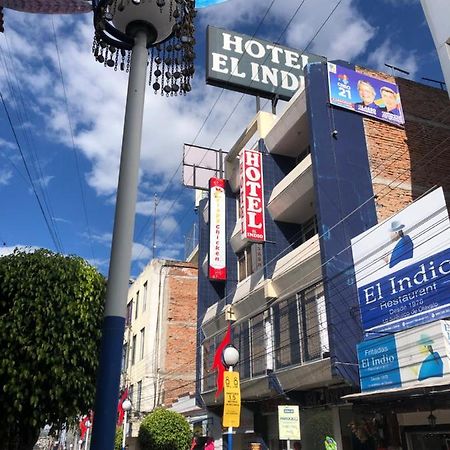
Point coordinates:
[[134, 36], [169, 28]]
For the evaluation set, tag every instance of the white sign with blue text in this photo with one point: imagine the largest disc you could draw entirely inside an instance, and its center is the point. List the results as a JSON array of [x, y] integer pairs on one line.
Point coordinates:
[[417, 357], [402, 267]]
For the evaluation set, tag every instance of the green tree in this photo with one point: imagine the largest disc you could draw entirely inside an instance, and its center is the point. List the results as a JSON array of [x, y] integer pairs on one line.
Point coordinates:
[[51, 308], [118, 439], [164, 430]]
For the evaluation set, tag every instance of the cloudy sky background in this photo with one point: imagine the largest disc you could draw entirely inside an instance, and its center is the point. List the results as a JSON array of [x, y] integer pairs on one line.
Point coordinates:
[[74, 163]]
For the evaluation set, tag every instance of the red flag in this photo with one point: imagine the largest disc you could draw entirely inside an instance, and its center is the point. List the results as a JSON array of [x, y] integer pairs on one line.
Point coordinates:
[[218, 363], [120, 411]]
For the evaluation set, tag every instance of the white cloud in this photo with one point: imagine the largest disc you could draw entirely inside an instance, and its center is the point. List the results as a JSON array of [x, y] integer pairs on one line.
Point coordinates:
[[140, 252], [389, 53], [5, 177], [4, 251], [345, 35]]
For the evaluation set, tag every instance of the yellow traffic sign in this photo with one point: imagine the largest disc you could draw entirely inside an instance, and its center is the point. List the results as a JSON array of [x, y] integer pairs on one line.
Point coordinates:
[[232, 399]]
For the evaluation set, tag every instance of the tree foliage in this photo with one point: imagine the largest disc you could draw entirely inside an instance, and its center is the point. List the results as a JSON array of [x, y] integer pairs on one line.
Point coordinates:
[[164, 430], [51, 308], [118, 438]]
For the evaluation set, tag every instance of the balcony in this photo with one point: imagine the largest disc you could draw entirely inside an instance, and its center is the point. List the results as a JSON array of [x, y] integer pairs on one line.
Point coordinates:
[[292, 199], [298, 269], [290, 133]]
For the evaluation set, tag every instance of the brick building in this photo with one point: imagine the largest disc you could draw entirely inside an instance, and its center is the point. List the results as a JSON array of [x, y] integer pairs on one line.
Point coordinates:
[[159, 347], [329, 174]]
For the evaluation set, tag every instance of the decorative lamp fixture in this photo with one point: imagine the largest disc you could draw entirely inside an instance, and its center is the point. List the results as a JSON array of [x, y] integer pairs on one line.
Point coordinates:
[[170, 38], [432, 419], [230, 355]]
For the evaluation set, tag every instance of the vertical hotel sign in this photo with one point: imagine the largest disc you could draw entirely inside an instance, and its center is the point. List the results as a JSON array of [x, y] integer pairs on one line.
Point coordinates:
[[217, 239], [252, 196]]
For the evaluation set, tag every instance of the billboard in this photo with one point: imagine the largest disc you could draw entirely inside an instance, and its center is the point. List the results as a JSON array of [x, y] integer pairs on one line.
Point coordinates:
[[364, 94], [402, 267], [411, 358], [251, 196], [217, 269], [254, 66]]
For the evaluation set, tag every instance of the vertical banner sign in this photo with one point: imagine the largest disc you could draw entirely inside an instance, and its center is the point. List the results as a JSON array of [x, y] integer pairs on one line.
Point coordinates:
[[231, 400], [217, 238], [252, 196], [289, 423]]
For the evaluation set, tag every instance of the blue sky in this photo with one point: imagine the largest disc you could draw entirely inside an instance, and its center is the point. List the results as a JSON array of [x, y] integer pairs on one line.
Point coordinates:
[[74, 163]]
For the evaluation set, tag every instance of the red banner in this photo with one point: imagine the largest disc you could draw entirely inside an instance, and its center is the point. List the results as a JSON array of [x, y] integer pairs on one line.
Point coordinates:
[[217, 237], [252, 196]]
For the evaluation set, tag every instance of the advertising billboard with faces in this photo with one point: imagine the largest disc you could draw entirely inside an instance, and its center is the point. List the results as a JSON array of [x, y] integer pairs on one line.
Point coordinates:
[[402, 267], [364, 94]]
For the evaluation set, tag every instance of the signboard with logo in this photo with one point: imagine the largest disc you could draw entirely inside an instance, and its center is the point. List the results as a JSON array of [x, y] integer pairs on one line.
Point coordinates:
[[217, 237], [231, 400], [364, 94], [251, 196], [289, 423], [402, 267], [411, 358], [246, 64]]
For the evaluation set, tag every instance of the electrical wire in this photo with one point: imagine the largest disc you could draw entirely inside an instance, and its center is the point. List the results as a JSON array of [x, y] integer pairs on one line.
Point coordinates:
[[75, 154]]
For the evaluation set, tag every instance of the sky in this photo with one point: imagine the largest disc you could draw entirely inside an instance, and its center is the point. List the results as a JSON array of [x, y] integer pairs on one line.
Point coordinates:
[[66, 111]]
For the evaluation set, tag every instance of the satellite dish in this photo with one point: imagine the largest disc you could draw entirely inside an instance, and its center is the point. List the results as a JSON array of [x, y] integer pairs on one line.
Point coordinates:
[[48, 6]]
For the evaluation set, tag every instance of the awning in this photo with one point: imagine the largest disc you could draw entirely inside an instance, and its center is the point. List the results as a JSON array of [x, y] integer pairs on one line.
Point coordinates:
[[396, 394]]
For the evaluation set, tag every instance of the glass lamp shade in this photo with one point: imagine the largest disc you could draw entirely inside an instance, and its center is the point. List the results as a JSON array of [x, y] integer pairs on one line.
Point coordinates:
[[230, 356], [126, 405]]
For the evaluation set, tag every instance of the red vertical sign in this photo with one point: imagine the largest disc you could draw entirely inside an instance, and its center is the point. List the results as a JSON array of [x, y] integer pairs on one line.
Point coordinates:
[[252, 196], [217, 237]]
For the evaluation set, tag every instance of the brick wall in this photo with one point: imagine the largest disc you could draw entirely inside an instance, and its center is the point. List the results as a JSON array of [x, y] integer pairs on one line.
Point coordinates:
[[405, 163], [178, 371]]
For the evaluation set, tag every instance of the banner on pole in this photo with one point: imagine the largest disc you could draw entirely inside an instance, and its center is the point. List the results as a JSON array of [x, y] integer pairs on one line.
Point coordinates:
[[232, 400]]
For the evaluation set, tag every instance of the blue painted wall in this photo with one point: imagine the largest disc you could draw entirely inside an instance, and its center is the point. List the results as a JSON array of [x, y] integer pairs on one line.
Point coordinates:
[[280, 236], [342, 183]]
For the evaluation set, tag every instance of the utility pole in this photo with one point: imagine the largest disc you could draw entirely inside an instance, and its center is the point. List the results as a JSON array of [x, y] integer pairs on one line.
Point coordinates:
[[155, 205]]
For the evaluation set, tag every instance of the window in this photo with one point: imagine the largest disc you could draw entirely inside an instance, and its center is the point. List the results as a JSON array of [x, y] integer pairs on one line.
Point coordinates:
[[133, 350], [209, 378], [139, 396], [137, 306], [258, 345], [242, 338], [130, 394], [124, 357], [129, 312], [311, 326], [309, 229], [144, 299], [142, 348], [286, 330], [250, 259]]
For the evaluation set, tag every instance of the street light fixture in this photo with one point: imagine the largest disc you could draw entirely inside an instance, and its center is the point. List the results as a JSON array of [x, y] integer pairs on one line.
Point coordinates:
[[125, 30], [126, 406], [230, 357]]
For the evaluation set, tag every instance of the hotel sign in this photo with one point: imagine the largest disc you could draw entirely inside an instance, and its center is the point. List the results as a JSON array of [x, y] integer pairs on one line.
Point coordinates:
[[217, 238], [251, 196], [402, 267], [254, 66]]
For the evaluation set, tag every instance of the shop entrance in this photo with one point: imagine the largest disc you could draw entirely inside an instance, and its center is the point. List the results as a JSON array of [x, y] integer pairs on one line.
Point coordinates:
[[428, 440]]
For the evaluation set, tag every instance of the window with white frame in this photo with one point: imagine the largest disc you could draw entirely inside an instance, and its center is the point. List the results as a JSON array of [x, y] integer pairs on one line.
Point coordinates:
[[250, 259], [136, 309], [139, 396], [142, 344], [144, 296]]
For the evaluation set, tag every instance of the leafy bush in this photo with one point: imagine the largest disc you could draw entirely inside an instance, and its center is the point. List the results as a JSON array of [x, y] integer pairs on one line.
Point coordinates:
[[164, 430], [118, 438]]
